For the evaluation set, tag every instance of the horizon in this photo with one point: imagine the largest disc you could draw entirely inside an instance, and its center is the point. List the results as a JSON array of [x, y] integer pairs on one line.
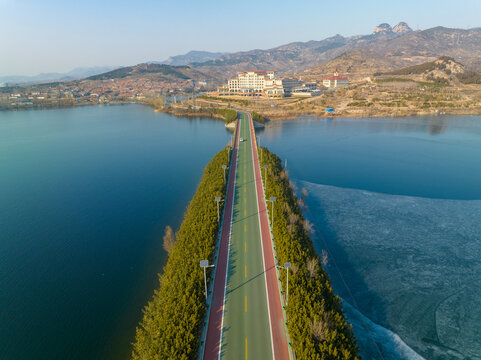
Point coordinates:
[[68, 35]]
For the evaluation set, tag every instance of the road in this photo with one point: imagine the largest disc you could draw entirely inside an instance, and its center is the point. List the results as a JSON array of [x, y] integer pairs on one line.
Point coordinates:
[[245, 320]]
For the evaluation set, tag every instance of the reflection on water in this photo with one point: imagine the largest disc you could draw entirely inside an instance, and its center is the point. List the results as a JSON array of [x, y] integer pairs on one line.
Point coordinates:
[[435, 157]]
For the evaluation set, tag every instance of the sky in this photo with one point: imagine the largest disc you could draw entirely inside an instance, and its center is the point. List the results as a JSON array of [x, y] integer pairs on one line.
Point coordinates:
[[58, 36]]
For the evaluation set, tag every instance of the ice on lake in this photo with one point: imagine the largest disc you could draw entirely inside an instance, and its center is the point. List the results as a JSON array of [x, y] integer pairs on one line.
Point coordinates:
[[410, 265]]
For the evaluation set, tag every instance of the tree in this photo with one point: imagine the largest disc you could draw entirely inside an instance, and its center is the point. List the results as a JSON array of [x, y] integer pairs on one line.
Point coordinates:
[[169, 239]]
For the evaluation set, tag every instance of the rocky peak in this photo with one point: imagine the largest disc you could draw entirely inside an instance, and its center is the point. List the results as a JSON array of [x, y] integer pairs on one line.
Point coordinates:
[[383, 28], [402, 28]]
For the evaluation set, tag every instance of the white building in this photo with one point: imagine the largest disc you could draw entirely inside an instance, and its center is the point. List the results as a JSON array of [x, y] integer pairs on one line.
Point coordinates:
[[258, 82], [335, 81]]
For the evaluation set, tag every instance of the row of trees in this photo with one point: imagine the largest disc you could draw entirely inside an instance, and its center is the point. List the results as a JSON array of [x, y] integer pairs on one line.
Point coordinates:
[[316, 323], [258, 118], [228, 114], [173, 319]]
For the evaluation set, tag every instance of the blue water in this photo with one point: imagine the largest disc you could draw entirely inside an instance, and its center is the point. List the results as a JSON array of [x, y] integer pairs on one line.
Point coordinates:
[[396, 205], [85, 195], [436, 157]]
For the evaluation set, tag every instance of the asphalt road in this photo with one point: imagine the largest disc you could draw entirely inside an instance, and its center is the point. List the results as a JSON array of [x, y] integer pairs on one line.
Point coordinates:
[[249, 324]]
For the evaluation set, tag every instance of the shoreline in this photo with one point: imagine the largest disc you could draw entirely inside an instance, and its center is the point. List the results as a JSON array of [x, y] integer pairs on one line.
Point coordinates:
[[272, 116]]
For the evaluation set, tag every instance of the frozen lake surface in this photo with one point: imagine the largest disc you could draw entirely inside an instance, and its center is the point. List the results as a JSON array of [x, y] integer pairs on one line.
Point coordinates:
[[409, 264]]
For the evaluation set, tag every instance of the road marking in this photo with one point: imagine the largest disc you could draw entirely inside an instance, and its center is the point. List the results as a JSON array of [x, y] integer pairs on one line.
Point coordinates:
[[245, 246], [246, 348], [245, 199]]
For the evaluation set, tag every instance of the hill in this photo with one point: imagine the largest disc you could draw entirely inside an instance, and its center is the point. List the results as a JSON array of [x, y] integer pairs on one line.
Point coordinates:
[[356, 64], [444, 70], [159, 72]]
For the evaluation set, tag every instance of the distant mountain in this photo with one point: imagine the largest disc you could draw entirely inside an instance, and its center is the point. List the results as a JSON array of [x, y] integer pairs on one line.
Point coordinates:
[[77, 73], [159, 72], [190, 58], [398, 46], [356, 64], [402, 28]]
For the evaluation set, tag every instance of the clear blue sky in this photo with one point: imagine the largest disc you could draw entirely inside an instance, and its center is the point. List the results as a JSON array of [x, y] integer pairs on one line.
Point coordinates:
[[57, 36]]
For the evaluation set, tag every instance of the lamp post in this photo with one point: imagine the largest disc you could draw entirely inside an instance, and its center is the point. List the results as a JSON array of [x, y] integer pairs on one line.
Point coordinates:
[[287, 266], [218, 200], [224, 167], [265, 177], [205, 264], [272, 199]]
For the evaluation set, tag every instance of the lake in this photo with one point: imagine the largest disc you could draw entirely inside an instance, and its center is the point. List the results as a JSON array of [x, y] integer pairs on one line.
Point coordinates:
[[85, 195], [396, 203]]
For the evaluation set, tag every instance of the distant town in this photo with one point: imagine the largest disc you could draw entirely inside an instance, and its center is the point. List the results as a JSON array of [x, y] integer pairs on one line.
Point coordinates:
[[91, 92], [254, 83]]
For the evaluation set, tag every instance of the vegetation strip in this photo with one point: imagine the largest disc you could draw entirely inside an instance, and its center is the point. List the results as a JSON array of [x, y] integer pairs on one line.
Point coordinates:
[[316, 323], [173, 319]]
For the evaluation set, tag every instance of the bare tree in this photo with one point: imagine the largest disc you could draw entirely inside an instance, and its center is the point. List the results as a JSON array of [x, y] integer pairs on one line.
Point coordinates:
[[304, 193], [324, 258], [312, 267], [169, 239], [320, 327], [308, 226], [293, 186], [293, 218]]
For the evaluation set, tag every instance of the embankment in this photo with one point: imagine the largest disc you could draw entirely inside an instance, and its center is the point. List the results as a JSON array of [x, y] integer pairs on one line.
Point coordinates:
[[316, 322], [172, 320]]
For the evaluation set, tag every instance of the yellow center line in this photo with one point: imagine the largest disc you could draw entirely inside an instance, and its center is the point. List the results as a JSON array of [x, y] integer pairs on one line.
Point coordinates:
[[246, 348], [245, 246]]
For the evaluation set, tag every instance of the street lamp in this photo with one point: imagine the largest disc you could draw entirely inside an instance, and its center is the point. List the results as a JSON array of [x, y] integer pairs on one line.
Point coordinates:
[[265, 177], [205, 264], [218, 200], [224, 167], [272, 199], [287, 266]]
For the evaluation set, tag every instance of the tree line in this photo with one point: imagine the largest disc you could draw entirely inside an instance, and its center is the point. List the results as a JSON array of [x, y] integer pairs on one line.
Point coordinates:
[[173, 318], [315, 319]]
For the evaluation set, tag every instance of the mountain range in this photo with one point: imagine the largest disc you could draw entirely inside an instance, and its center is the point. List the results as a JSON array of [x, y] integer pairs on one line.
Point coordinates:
[[77, 73], [190, 57], [395, 47], [387, 48]]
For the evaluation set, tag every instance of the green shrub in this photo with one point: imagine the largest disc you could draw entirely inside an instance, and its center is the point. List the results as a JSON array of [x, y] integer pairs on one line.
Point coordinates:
[[258, 118], [229, 115]]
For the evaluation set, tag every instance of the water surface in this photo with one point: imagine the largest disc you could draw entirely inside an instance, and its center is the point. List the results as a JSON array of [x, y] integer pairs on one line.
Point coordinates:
[[85, 195], [396, 203]]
